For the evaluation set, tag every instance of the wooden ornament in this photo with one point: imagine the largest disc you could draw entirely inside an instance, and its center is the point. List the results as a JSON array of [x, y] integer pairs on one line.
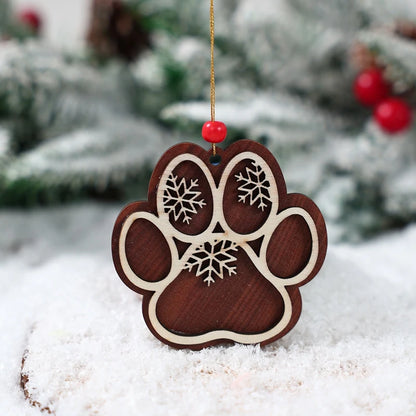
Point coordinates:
[[219, 250]]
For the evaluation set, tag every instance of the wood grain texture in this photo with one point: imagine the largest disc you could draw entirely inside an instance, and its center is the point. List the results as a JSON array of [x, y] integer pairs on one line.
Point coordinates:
[[219, 252]]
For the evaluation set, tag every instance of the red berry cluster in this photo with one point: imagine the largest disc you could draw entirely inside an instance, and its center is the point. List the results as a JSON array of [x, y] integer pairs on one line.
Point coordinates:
[[391, 113]]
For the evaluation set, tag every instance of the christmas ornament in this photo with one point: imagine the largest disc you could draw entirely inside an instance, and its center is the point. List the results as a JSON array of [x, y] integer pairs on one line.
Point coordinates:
[[370, 87], [393, 115], [31, 19], [219, 249]]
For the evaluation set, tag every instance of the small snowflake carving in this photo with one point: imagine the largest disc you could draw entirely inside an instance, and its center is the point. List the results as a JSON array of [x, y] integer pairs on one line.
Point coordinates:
[[213, 260], [255, 187], [181, 198]]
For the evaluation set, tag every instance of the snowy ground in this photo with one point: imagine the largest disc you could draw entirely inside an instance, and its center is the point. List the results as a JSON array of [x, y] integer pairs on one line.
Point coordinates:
[[88, 351]]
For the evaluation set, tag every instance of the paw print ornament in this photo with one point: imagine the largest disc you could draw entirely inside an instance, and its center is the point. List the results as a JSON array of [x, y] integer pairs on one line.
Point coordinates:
[[219, 250]]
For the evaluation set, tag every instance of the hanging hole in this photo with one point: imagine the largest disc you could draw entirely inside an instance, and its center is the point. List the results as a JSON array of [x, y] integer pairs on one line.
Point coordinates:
[[215, 160]]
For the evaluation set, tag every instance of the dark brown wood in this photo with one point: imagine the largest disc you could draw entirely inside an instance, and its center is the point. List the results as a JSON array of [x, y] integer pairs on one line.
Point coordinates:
[[24, 382], [264, 245]]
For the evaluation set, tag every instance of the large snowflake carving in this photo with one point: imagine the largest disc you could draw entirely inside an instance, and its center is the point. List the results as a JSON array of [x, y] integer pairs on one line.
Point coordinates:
[[255, 187], [181, 198], [212, 260]]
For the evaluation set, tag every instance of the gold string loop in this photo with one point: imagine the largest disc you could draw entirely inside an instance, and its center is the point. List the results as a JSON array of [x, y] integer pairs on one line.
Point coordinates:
[[212, 77]]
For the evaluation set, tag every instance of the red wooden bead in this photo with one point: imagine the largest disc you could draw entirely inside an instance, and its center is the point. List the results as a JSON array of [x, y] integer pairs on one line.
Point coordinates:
[[31, 18], [393, 115], [214, 131], [370, 87]]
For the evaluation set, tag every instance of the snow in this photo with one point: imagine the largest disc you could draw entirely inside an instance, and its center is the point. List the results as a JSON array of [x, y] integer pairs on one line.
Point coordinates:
[[125, 146], [89, 352], [250, 110]]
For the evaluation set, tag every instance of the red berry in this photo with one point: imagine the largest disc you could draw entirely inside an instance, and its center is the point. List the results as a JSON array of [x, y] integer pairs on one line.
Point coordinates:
[[214, 131], [393, 115], [370, 87], [31, 18]]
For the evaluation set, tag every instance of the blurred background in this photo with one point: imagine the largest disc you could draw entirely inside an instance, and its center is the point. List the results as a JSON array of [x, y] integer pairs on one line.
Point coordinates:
[[92, 92]]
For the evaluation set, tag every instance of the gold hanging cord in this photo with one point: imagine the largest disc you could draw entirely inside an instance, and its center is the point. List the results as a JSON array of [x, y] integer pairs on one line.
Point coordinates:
[[212, 78]]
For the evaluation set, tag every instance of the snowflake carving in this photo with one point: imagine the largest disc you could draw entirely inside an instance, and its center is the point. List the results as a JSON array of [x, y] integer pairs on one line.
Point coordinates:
[[255, 187], [212, 260], [181, 198]]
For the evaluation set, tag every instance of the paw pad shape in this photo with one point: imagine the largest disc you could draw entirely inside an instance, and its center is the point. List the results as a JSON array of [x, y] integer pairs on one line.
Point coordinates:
[[219, 251]]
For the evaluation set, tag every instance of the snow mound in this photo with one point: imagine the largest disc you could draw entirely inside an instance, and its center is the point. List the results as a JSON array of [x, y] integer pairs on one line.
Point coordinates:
[[87, 350]]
